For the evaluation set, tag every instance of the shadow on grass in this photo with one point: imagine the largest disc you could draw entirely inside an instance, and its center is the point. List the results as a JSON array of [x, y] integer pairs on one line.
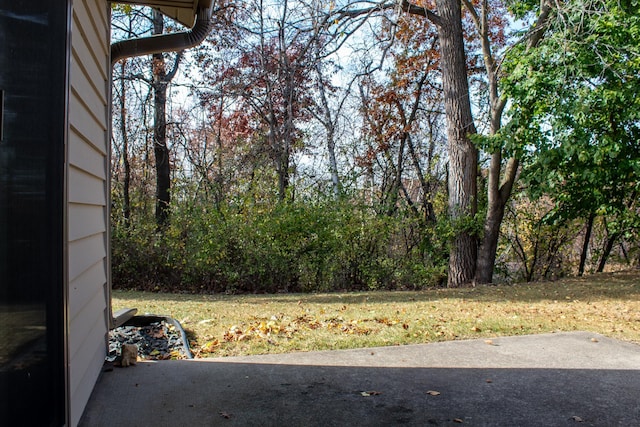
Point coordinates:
[[623, 285]]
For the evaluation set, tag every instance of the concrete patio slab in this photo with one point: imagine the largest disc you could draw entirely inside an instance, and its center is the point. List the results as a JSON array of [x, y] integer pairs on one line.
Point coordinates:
[[560, 379]]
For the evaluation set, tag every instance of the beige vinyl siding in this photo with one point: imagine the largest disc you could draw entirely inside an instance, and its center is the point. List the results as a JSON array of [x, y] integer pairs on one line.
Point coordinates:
[[87, 196]]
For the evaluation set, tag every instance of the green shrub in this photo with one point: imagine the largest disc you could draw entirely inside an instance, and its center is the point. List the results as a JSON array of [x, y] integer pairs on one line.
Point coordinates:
[[290, 247]]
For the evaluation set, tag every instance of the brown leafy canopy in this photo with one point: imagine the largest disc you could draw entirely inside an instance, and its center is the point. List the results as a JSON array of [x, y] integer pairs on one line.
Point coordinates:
[[236, 152], [265, 79]]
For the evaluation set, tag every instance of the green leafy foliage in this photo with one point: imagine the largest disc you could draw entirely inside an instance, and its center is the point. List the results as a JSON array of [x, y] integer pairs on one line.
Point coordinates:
[[577, 109], [288, 247]]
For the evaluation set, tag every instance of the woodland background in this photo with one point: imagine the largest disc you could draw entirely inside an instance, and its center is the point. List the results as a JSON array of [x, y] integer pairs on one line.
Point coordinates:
[[358, 145]]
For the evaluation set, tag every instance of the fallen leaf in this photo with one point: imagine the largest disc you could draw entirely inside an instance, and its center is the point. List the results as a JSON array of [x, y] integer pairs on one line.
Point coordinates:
[[489, 381], [364, 393], [374, 393], [211, 346], [576, 419], [476, 329], [225, 415], [488, 342], [458, 420], [385, 321], [594, 340], [157, 333], [433, 393]]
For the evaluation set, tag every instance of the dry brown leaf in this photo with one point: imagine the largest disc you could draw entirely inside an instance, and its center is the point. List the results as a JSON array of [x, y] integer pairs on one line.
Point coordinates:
[[211, 346], [594, 340], [433, 393], [157, 333], [458, 420]]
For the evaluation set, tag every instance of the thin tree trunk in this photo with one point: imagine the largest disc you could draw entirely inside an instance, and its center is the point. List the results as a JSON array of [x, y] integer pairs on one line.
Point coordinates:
[[497, 196], [219, 174], [161, 80], [498, 192], [126, 208], [585, 244], [607, 251], [160, 149], [327, 122]]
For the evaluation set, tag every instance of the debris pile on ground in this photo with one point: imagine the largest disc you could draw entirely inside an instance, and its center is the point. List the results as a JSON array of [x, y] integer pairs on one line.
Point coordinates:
[[156, 341]]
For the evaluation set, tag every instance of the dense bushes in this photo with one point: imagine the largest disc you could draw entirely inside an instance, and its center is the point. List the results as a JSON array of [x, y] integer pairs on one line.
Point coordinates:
[[289, 247]]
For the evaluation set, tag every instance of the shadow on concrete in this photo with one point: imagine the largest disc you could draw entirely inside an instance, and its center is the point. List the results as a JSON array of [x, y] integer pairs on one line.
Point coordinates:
[[547, 380], [203, 394]]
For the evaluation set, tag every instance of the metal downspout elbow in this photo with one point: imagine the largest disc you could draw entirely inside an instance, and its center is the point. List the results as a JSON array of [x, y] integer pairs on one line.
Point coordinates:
[[165, 42]]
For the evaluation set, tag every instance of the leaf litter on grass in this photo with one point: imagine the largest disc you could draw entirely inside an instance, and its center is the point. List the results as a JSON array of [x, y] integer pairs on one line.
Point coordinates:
[[226, 325]]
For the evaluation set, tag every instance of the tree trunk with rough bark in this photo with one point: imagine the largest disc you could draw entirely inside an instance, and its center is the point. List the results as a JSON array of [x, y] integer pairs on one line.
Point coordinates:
[[463, 155]]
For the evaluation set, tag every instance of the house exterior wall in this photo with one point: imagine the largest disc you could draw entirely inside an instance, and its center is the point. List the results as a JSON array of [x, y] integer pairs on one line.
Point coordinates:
[[34, 40], [87, 200], [55, 84]]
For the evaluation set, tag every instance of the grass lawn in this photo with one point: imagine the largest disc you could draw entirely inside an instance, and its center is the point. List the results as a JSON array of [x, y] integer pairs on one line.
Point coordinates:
[[226, 325]]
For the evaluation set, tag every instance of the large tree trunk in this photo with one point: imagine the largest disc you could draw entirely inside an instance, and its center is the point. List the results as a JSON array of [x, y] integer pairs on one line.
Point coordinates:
[[463, 155]]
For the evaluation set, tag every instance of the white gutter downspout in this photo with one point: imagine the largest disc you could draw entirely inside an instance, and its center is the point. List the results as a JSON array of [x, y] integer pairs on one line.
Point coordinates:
[[165, 42]]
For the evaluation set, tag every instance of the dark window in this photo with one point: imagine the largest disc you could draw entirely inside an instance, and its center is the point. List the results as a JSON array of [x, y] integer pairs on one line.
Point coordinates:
[[33, 41]]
